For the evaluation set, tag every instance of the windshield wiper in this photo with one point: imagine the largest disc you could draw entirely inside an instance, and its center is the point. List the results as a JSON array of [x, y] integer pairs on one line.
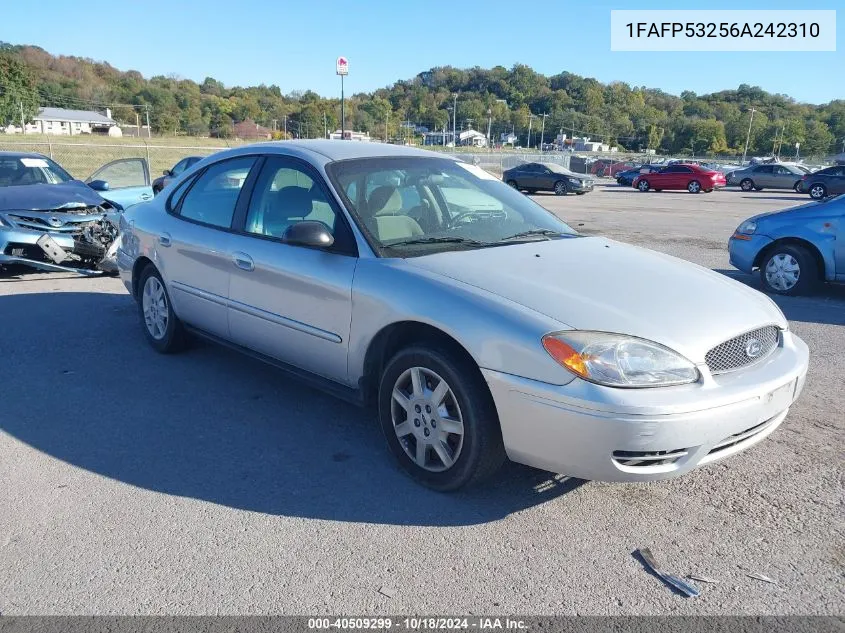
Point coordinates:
[[547, 233], [438, 240]]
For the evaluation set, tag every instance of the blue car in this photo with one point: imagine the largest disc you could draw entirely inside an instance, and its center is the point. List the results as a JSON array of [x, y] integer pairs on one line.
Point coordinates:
[[794, 249], [626, 178], [51, 221]]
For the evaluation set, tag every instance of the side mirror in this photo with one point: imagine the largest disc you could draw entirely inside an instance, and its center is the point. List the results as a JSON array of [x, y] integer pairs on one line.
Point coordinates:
[[99, 185], [167, 172], [308, 233]]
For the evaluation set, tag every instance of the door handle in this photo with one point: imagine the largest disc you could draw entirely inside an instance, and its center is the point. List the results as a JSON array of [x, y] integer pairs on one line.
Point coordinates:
[[145, 196], [164, 239], [243, 261]]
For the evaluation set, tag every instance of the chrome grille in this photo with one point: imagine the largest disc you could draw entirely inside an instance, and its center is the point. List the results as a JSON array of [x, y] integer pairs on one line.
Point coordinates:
[[742, 350]]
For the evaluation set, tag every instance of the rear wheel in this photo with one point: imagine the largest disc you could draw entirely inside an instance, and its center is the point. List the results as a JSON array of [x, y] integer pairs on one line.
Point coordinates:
[[797, 187], [162, 327], [789, 270], [747, 184], [560, 188], [694, 186], [438, 418], [817, 191], [643, 185], [512, 183]]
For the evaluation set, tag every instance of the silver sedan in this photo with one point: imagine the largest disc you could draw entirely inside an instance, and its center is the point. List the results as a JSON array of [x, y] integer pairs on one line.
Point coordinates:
[[477, 324]]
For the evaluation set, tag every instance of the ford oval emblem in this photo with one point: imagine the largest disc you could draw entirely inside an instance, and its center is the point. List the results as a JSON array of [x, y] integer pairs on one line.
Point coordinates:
[[753, 348], [56, 222]]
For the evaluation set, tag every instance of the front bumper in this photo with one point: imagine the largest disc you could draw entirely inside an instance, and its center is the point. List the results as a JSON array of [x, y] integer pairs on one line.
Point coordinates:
[[742, 252], [580, 187], [606, 434], [20, 247]]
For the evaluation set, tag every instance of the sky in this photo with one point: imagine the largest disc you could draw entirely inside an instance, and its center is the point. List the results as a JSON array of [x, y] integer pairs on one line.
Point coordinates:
[[294, 43]]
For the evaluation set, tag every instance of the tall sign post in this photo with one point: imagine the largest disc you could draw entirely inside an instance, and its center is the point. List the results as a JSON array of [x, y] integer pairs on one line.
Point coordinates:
[[342, 70]]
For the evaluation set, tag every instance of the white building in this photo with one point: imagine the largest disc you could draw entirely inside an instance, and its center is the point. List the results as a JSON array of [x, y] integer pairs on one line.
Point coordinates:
[[584, 144], [69, 123], [466, 138], [349, 135]]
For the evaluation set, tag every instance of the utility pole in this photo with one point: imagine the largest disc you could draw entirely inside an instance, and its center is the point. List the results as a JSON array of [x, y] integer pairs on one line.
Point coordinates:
[[454, 120], [23, 122], [147, 112], [325, 126], [274, 124], [748, 136], [286, 126], [530, 121], [489, 124], [386, 118], [138, 123], [543, 131]]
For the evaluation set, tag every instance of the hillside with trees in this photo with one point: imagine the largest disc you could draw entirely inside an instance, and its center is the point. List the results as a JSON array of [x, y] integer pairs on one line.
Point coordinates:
[[509, 99]]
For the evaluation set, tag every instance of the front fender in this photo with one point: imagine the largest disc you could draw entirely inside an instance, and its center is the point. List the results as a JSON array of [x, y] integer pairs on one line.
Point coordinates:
[[499, 334], [824, 242]]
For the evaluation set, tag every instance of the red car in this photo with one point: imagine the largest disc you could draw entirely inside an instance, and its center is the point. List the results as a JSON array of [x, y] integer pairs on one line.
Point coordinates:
[[679, 176]]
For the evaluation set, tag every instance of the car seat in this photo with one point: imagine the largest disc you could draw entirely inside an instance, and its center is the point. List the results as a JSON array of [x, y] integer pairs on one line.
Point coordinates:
[[384, 218]]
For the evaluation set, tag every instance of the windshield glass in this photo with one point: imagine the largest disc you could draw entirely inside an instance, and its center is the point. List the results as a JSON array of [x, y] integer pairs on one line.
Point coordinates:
[[415, 206], [23, 170]]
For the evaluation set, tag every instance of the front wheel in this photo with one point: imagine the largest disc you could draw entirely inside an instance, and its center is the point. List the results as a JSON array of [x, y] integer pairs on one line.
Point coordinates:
[[817, 192], [439, 419], [694, 187], [643, 185], [747, 184], [789, 270], [560, 188]]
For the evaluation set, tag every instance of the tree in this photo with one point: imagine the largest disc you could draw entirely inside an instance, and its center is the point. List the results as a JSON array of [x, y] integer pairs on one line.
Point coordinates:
[[18, 94]]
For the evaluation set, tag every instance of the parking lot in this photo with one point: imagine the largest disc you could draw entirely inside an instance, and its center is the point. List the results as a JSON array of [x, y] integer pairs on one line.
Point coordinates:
[[207, 483]]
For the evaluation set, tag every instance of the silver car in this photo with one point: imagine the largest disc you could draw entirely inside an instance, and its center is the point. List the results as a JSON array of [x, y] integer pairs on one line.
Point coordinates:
[[478, 325], [767, 176]]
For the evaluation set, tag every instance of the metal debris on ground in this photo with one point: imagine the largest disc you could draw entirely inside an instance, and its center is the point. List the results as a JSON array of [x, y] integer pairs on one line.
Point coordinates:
[[671, 580], [389, 592], [706, 579], [757, 576]]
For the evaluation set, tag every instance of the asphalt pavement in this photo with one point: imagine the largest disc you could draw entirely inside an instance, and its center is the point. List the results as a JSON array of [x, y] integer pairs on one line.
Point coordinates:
[[208, 483]]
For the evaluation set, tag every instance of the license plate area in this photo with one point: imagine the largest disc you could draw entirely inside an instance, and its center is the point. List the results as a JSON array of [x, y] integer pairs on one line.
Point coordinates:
[[51, 248], [776, 401]]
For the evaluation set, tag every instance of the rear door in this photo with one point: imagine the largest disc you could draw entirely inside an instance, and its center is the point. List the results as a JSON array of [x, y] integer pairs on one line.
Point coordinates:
[[836, 182], [194, 243], [783, 178], [128, 181]]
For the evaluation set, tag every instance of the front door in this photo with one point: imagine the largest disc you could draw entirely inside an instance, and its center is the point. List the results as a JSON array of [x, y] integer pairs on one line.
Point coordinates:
[[194, 243], [128, 181], [290, 302], [839, 245]]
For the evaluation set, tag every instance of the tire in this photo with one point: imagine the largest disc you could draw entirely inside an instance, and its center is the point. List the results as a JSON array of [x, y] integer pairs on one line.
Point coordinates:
[[658, 190], [799, 272], [758, 189], [747, 184], [560, 188], [156, 190], [694, 186], [478, 450], [168, 335], [708, 191], [643, 186], [512, 183], [797, 187], [817, 191]]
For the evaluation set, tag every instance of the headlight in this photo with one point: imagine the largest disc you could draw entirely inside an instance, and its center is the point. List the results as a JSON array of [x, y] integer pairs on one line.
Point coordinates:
[[574, 181], [617, 360], [747, 228]]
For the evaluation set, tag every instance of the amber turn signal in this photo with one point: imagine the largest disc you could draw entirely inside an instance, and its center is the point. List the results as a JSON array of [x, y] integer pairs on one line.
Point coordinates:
[[565, 355]]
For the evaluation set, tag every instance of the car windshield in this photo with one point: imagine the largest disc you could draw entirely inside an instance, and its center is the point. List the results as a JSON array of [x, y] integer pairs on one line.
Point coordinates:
[[25, 170], [410, 206]]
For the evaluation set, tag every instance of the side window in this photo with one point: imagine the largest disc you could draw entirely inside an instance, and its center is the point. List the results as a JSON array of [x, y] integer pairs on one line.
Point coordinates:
[[215, 193], [178, 194], [284, 195], [179, 167], [684, 170], [764, 169]]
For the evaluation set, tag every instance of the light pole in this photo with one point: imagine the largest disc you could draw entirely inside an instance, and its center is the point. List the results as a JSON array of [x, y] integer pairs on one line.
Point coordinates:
[[342, 70], [748, 136]]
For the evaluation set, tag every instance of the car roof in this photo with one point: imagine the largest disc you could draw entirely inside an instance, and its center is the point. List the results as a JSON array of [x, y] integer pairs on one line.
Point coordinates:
[[342, 150], [8, 154]]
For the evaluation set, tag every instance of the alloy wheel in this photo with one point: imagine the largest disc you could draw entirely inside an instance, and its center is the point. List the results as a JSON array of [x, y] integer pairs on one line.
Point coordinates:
[[560, 188], [154, 304], [427, 419], [817, 192]]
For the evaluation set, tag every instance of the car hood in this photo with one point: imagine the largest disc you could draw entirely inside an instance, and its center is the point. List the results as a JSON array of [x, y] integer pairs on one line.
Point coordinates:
[[593, 283], [814, 207], [43, 197]]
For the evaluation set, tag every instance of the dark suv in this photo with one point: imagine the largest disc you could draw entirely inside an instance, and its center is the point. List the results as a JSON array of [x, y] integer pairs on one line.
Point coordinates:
[[169, 174], [825, 182]]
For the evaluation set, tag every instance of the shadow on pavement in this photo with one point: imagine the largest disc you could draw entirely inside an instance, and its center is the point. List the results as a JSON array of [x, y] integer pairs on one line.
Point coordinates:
[[827, 305], [783, 197], [81, 384]]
